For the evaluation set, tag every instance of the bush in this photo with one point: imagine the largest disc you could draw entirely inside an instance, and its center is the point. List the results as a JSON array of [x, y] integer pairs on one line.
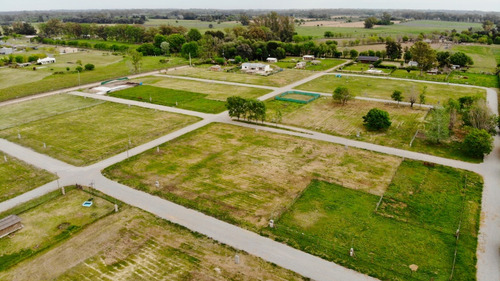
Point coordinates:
[[89, 66], [377, 119], [79, 68], [478, 143]]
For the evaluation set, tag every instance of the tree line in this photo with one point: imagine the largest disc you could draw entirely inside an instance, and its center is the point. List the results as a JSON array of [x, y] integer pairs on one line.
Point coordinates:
[[249, 109]]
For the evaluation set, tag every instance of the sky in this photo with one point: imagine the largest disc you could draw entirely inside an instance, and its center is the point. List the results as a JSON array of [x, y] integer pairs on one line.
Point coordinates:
[[479, 5]]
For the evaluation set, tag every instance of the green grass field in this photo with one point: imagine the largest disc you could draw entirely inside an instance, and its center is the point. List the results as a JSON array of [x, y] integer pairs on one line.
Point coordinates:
[[94, 133], [69, 79], [383, 88], [223, 170], [55, 220], [202, 26], [410, 28], [17, 177], [290, 63], [485, 57], [467, 78], [280, 79], [361, 67], [415, 224]]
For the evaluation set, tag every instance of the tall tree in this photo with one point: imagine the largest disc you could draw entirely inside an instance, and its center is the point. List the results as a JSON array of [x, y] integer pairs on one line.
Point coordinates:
[[424, 55], [370, 22], [342, 95], [437, 129], [461, 59], [193, 35], [393, 49], [397, 96], [136, 59]]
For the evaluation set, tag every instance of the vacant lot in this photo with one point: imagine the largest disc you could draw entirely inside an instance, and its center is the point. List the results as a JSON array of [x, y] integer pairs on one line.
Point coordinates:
[[11, 77], [328, 116], [485, 57], [224, 170], [280, 79], [324, 64], [383, 88], [93, 133], [54, 220], [467, 78], [415, 224], [361, 67], [135, 245], [17, 177]]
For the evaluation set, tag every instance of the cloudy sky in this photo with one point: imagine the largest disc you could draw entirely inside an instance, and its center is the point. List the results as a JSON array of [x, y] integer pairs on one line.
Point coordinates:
[[19, 5]]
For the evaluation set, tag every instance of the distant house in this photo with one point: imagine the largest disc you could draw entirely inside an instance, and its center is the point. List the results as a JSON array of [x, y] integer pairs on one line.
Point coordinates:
[[272, 60], [433, 71], [413, 63], [255, 67], [46, 60], [6, 51], [10, 224], [67, 50], [215, 68], [301, 65], [308, 57], [455, 67], [368, 59]]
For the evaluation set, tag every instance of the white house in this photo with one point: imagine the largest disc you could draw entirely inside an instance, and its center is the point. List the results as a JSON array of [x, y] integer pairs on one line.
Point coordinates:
[[455, 67], [46, 60], [255, 67], [272, 60], [6, 51], [308, 57], [413, 63]]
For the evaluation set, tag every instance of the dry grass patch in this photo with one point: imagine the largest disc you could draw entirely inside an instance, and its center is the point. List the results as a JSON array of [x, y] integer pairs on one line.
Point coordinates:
[[245, 176]]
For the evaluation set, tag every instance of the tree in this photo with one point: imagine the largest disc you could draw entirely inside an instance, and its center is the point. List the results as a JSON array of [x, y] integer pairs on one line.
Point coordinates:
[[424, 55], [353, 53], [437, 129], [461, 59], [443, 58], [244, 19], [397, 96], [370, 22], [393, 49], [89, 66], [165, 48], [377, 119], [79, 69], [136, 59], [478, 143], [193, 35], [453, 107], [488, 25], [386, 19], [23, 28], [190, 49], [342, 95], [407, 55], [236, 106], [412, 98], [158, 39], [479, 116], [345, 52], [176, 41]]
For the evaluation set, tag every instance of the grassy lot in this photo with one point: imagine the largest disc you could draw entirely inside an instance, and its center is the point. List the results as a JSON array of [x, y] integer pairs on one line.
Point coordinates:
[[17, 177], [415, 224], [290, 62], [94, 133], [328, 116], [70, 79], [468, 78], [410, 28], [383, 88], [280, 79], [135, 245], [485, 57], [50, 222], [10, 76], [169, 97], [224, 170], [29, 111], [361, 67]]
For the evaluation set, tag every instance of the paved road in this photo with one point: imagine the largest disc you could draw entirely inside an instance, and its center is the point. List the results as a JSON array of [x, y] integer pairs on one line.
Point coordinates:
[[282, 255]]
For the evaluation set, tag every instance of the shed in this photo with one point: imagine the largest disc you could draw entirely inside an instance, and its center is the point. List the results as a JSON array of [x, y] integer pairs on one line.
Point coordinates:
[[308, 57], [272, 60], [46, 60], [6, 51], [413, 63], [301, 65], [10, 224], [368, 59], [455, 67], [433, 71]]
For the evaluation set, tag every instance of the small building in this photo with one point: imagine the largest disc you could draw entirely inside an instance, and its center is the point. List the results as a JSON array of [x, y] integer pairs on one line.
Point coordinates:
[[455, 67], [10, 224], [433, 71], [301, 65], [67, 50], [272, 60], [46, 60], [413, 63], [24, 64], [215, 68], [255, 67], [6, 51], [368, 59], [308, 57]]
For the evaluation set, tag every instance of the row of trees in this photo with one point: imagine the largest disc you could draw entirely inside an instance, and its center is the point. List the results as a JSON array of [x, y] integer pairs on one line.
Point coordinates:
[[250, 109]]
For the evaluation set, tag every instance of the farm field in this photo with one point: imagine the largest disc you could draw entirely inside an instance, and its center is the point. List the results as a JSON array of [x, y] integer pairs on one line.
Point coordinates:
[[383, 88], [280, 79], [93, 133], [202, 26], [485, 57], [223, 170], [135, 245], [17, 177], [48, 221], [290, 62], [409, 28], [105, 71], [186, 94], [327, 116], [419, 214]]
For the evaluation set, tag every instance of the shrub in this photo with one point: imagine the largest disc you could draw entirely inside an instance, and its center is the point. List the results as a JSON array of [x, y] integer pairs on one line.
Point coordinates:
[[478, 143], [89, 66], [377, 119], [79, 68]]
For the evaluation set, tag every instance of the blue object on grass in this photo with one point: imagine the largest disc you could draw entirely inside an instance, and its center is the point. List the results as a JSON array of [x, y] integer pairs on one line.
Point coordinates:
[[87, 204]]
